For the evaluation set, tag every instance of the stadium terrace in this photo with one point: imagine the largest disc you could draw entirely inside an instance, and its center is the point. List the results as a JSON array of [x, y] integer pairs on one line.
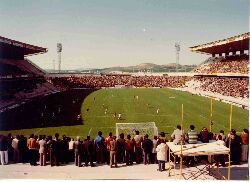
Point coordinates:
[[188, 110]]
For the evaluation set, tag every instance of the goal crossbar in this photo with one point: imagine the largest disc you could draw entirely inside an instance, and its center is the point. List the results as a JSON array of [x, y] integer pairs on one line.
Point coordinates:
[[130, 128]]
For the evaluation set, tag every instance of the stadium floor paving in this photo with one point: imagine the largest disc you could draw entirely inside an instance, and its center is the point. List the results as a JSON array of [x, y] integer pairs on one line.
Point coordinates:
[[71, 172]]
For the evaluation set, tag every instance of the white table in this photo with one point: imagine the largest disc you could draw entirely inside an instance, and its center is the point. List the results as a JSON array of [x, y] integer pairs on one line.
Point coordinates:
[[199, 149]]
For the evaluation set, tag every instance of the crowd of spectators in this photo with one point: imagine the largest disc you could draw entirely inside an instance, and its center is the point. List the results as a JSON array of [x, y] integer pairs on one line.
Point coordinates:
[[98, 81], [238, 144], [113, 151], [227, 86], [232, 64]]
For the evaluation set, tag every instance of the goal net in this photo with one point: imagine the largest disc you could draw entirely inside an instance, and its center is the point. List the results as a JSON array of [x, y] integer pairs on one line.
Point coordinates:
[[130, 128]]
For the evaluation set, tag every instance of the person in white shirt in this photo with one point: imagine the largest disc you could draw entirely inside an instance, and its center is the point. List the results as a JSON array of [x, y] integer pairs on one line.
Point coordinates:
[[16, 153], [138, 147], [220, 158], [71, 149], [42, 151], [177, 135], [161, 150], [222, 135]]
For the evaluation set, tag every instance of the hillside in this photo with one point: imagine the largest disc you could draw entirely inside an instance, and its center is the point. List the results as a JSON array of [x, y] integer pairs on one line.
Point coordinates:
[[143, 67]]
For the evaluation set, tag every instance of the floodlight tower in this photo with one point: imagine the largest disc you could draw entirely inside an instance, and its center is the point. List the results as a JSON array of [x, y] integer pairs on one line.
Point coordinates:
[[59, 51], [177, 49]]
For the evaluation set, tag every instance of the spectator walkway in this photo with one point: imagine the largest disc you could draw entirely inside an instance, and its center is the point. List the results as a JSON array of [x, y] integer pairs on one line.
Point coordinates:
[[25, 171]]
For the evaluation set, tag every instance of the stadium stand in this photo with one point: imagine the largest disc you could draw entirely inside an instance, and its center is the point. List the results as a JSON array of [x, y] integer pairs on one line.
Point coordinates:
[[224, 77], [231, 64], [89, 81], [20, 79]]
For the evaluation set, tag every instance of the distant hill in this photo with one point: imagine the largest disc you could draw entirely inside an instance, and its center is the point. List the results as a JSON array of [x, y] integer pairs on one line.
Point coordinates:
[[143, 67]]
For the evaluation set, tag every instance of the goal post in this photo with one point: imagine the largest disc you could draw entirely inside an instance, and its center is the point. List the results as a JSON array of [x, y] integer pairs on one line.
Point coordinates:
[[130, 128]]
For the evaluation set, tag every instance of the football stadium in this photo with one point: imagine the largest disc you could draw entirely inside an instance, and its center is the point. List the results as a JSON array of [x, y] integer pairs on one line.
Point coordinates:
[[90, 102], [122, 119]]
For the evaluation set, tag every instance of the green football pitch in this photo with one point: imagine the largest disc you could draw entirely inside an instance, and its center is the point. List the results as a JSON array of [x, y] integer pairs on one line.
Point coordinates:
[[144, 109]]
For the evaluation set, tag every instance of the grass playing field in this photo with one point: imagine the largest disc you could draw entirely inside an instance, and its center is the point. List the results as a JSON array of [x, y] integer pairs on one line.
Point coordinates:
[[144, 109]]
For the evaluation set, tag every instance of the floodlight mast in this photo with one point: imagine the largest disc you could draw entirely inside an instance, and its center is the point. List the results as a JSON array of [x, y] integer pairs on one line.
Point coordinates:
[[177, 49], [59, 51]]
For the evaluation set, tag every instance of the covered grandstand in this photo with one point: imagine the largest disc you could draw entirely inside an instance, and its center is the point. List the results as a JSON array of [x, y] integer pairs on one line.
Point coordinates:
[[21, 81], [225, 74]]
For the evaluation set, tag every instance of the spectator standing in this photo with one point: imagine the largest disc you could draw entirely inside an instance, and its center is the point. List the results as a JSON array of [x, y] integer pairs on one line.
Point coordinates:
[[121, 149], [88, 151], [100, 148], [42, 151], [153, 158], [77, 149], [55, 150], [23, 149], [15, 146], [138, 149], [161, 150], [113, 151], [9, 147], [37, 148], [129, 150], [64, 150], [3, 150], [107, 143], [147, 146], [244, 145], [235, 147], [32, 145], [71, 150]]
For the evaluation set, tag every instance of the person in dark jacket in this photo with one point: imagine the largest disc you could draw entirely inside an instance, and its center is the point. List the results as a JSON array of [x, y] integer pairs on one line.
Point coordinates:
[[204, 135], [147, 146], [64, 157], [23, 149], [121, 149], [88, 147], [10, 149], [55, 150], [129, 150], [235, 147]]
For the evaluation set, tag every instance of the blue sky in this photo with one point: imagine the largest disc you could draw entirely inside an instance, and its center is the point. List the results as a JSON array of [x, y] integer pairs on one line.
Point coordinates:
[[104, 33]]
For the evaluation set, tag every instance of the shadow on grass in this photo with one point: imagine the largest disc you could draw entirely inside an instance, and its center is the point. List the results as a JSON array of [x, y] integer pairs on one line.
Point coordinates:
[[59, 109]]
